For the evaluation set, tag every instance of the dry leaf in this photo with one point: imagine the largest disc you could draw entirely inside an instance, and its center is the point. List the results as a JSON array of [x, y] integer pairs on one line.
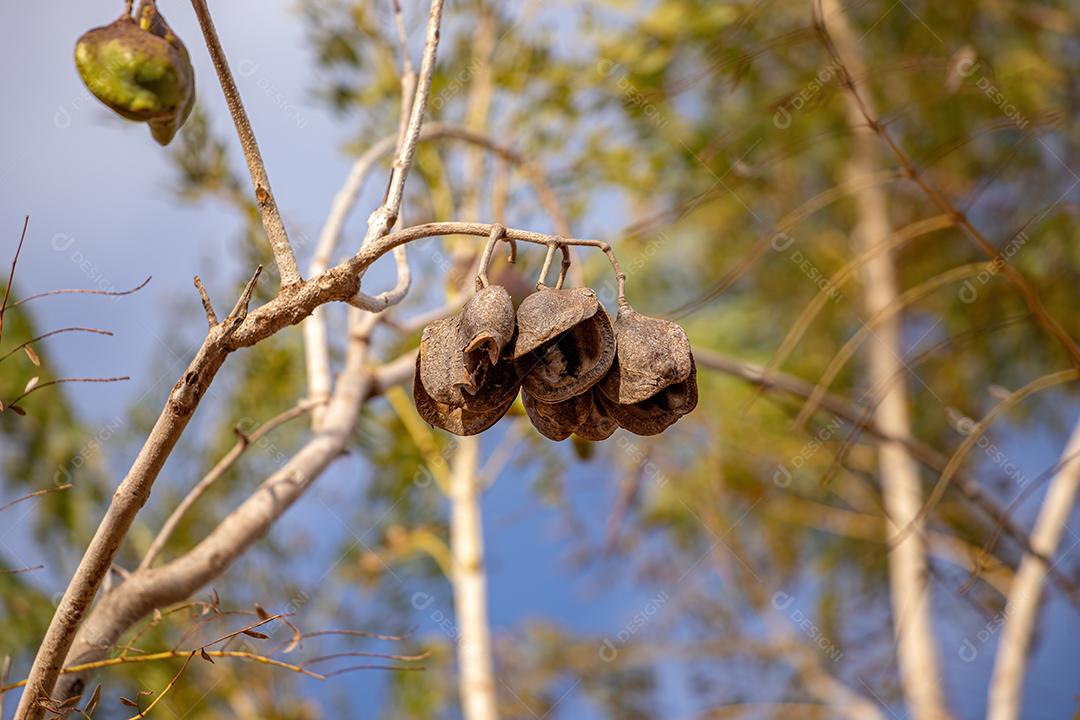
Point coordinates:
[[32, 355], [31, 384]]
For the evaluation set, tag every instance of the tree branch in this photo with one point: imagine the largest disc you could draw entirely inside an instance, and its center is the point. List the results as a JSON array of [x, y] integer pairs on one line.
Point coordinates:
[[264, 196], [246, 440]]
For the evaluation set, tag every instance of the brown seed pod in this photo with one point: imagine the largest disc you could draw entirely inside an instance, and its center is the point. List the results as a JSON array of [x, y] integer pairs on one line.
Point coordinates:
[[458, 354], [565, 343], [457, 420], [660, 411], [557, 421], [652, 354], [486, 325], [599, 425]]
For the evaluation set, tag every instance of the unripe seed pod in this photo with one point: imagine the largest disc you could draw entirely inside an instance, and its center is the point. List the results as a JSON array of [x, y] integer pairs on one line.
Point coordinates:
[[140, 70]]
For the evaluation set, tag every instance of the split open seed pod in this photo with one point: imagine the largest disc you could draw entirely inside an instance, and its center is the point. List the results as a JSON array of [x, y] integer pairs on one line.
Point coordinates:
[[459, 420], [458, 354], [565, 343], [599, 425], [141, 70], [652, 354], [581, 415], [658, 412], [461, 384], [557, 421]]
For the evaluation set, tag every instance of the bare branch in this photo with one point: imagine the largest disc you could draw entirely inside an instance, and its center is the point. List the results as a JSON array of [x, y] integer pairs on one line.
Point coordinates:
[[11, 275], [106, 293], [61, 331], [246, 441], [60, 381], [384, 218], [242, 329], [208, 307], [20, 571], [36, 493], [264, 196]]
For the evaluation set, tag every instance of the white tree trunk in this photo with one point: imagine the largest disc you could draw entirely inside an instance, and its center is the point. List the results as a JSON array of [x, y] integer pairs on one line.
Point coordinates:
[[1022, 609], [477, 678], [902, 493]]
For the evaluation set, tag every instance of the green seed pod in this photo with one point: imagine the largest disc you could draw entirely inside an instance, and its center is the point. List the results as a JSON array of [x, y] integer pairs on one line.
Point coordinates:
[[565, 343], [141, 70]]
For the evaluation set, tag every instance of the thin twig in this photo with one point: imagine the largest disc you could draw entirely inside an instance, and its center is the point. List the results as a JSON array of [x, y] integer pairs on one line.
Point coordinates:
[[246, 440], [62, 381], [169, 655], [208, 307], [143, 713], [80, 291], [36, 493], [264, 197], [41, 337], [11, 275], [357, 653], [384, 217], [20, 571]]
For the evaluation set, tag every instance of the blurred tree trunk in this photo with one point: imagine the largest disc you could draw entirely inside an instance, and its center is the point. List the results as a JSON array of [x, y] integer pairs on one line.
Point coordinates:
[[887, 375], [1022, 609]]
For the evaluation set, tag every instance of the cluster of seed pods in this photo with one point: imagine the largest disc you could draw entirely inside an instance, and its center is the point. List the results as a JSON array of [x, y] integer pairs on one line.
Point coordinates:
[[138, 67], [579, 372]]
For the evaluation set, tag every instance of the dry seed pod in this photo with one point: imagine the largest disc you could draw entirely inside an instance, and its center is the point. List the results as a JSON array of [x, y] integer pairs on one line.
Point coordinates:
[[558, 421], [660, 411], [565, 343], [458, 353], [652, 354], [486, 326], [140, 70], [441, 362], [457, 420], [599, 425]]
